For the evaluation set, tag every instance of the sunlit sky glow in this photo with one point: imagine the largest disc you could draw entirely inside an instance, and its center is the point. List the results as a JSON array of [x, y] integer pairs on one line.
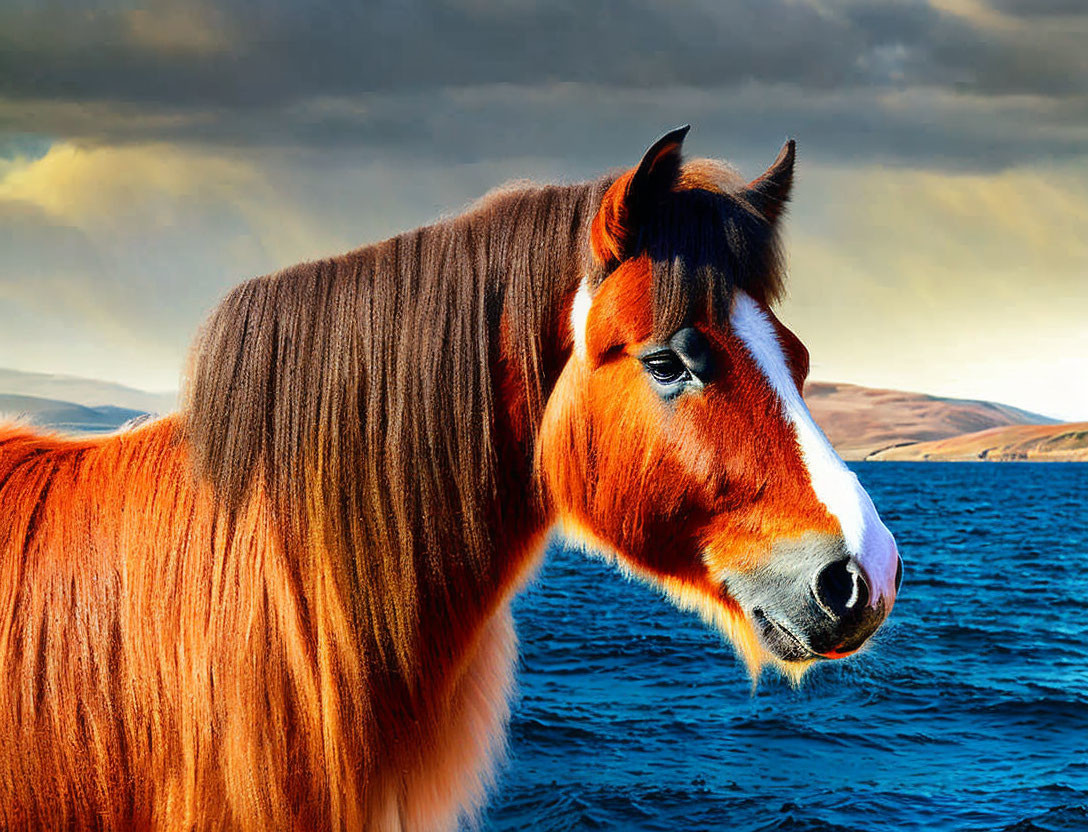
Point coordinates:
[[154, 154]]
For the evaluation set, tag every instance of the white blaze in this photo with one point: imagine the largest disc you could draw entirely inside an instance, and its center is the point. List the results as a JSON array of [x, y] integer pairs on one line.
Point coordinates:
[[836, 486]]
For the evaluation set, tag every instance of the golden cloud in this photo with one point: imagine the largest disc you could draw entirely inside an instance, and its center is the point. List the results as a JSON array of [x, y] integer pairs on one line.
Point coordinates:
[[144, 189], [90, 184]]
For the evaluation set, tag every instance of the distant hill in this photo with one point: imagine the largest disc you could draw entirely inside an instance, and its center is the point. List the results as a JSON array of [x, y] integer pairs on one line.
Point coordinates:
[[862, 421], [65, 416], [84, 391], [1031, 443]]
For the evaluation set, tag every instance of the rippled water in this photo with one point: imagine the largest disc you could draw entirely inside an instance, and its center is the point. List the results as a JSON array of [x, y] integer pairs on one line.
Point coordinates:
[[968, 712]]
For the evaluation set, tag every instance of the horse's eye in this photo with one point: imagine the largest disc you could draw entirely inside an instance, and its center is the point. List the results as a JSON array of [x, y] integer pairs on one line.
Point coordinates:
[[666, 367]]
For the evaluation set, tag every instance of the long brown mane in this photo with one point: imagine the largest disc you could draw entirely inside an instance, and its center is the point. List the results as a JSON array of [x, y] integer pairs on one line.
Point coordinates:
[[369, 397]]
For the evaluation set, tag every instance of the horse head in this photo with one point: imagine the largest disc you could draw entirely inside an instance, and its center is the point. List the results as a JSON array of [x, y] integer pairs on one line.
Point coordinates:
[[676, 438]]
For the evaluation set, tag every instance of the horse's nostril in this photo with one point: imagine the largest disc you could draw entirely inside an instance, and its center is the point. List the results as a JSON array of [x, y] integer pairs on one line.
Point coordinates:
[[841, 588], [898, 573]]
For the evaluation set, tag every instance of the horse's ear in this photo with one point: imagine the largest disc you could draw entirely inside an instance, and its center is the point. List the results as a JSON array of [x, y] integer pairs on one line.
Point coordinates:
[[770, 192], [633, 195], [658, 169]]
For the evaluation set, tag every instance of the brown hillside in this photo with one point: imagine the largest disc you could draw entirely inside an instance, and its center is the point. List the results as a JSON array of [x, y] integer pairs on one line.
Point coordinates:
[[861, 421], [1041, 443]]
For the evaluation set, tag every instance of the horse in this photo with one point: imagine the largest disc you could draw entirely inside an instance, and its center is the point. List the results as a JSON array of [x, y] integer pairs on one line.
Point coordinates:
[[287, 605]]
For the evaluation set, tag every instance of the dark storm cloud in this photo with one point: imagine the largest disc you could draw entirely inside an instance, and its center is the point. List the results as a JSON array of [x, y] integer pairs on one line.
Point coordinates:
[[292, 50], [590, 124], [462, 77]]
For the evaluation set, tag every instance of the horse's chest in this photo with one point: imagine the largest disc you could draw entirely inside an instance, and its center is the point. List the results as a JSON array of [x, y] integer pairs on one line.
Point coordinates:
[[457, 770]]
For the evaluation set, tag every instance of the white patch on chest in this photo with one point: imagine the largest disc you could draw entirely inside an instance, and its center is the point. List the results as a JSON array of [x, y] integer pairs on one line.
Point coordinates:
[[835, 485]]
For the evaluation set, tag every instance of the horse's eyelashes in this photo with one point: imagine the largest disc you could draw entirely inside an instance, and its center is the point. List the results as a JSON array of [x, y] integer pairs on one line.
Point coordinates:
[[666, 367]]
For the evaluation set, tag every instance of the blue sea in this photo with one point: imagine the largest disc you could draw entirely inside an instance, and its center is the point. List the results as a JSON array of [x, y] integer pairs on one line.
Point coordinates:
[[968, 711]]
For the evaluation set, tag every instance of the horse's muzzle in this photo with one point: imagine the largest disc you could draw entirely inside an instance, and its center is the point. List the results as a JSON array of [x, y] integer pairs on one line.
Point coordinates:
[[812, 600]]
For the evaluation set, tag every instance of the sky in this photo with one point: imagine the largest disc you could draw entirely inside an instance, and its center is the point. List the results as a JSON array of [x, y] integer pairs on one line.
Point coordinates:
[[154, 154]]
